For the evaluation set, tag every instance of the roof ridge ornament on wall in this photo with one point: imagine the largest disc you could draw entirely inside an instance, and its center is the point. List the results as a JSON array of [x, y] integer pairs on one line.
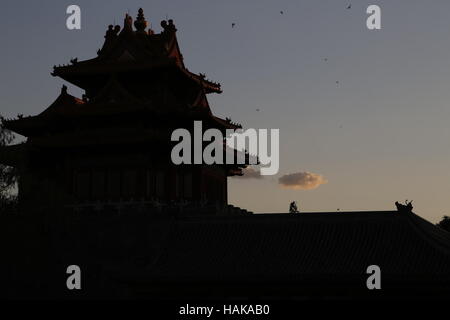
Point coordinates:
[[404, 208]]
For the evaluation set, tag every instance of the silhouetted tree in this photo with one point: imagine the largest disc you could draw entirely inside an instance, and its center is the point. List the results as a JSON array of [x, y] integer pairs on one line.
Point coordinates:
[[293, 207], [8, 175], [444, 223]]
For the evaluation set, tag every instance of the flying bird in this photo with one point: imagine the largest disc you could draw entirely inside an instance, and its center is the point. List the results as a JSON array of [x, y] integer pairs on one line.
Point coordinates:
[[281, 12], [233, 24], [349, 6]]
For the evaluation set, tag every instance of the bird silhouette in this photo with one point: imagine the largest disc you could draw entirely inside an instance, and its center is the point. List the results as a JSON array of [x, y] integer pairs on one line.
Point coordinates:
[[349, 6], [233, 24], [281, 12]]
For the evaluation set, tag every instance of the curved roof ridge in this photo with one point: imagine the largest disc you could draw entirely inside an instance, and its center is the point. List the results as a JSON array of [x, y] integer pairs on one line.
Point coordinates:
[[429, 232], [63, 101]]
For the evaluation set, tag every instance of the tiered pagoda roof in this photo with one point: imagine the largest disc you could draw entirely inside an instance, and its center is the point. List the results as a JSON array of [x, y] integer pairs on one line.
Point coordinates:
[[137, 89], [136, 71]]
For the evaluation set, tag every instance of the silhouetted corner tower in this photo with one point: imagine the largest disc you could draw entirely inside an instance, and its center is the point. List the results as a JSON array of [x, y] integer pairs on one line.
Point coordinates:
[[113, 145]]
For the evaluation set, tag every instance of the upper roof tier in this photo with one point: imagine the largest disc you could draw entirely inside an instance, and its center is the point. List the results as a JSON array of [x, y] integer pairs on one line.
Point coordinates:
[[136, 51]]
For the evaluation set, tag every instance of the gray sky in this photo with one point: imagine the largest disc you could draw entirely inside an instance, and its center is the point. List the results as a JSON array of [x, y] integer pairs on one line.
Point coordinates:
[[380, 135]]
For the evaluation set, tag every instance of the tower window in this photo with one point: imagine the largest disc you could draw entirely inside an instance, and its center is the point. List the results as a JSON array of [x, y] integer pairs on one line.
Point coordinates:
[[113, 184], [98, 184], [82, 185], [159, 179], [129, 183], [187, 185]]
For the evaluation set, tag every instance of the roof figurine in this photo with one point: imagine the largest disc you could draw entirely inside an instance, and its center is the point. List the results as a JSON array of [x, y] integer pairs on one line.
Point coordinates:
[[168, 26], [112, 31], [404, 208], [110, 37]]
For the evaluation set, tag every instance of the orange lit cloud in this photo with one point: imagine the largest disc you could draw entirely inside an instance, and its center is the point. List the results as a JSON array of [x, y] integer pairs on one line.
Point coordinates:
[[302, 180]]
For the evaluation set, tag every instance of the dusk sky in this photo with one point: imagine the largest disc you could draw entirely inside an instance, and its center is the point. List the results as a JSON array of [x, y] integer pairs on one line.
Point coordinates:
[[367, 110]]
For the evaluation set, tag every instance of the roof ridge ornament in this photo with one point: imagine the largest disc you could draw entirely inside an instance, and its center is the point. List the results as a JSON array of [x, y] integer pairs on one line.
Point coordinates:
[[140, 24], [150, 30], [112, 31], [404, 208], [111, 35], [168, 26], [128, 23]]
